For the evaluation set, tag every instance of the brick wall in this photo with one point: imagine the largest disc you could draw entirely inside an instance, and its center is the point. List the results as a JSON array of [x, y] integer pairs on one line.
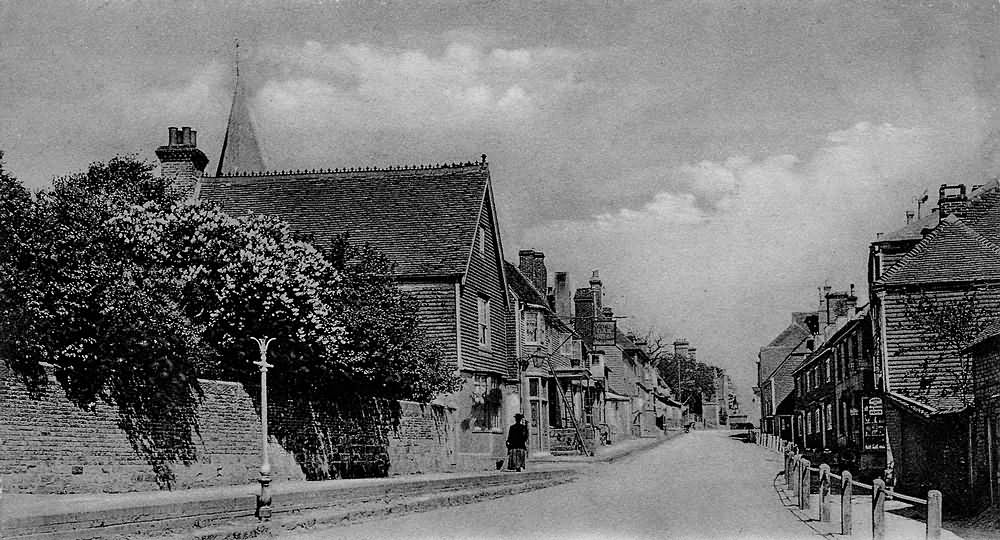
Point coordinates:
[[986, 377], [931, 454], [49, 445]]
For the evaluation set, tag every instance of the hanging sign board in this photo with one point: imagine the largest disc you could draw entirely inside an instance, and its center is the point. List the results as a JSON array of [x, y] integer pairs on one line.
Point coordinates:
[[604, 331], [873, 423]]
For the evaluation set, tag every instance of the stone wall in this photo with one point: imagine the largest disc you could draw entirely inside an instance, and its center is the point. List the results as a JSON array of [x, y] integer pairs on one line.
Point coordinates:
[[49, 445]]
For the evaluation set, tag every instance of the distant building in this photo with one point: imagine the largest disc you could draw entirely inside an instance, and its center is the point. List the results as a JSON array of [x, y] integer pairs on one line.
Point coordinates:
[[838, 407], [775, 364]]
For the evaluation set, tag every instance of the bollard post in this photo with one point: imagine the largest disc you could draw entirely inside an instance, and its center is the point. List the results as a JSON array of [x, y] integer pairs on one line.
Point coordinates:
[[805, 485], [878, 509], [788, 470], [846, 503], [795, 474], [824, 493], [933, 515]]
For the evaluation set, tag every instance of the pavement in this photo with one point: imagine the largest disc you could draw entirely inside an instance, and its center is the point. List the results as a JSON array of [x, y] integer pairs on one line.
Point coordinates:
[[702, 485], [227, 511], [897, 527]]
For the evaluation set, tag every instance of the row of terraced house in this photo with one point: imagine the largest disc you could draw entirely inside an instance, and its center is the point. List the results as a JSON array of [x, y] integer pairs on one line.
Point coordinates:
[[907, 386]]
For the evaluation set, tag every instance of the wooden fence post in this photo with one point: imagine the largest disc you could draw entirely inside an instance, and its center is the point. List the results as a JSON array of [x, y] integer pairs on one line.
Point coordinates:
[[878, 509], [824, 493], [846, 503], [805, 486], [933, 515]]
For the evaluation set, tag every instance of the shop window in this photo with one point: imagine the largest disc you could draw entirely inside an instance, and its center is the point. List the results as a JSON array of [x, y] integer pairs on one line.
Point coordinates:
[[486, 401]]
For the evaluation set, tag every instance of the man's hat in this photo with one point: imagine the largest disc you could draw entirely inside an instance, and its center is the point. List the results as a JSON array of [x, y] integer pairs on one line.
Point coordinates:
[[518, 415]]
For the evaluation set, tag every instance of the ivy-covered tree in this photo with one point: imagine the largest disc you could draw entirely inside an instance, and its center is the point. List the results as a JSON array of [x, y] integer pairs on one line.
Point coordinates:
[[945, 326]]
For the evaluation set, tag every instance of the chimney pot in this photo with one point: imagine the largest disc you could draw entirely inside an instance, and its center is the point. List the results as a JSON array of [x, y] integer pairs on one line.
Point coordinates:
[[952, 200], [172, 136], [186, 135]]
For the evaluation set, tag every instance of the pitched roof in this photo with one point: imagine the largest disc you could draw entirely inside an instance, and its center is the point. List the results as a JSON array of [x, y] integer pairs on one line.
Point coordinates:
[[952, 252], [522, 287], [423, 218], [240, 151], [983, 213], [990, 332], [790, 336], [912, 231]]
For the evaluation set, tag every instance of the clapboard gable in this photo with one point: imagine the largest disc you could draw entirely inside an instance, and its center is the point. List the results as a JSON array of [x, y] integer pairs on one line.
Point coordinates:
[[484, 280]]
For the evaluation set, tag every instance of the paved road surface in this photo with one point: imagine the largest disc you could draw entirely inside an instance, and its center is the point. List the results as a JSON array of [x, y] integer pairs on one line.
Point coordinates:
[[703, 485]]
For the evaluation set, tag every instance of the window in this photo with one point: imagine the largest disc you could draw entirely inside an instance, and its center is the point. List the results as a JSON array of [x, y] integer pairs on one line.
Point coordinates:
[[828, 417], [534, 325], [826, 375], [484, 322], [481, 237], [486, 399]]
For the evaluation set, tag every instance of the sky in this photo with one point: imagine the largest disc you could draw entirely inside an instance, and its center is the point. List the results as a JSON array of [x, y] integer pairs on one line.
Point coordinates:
[[716, 161]]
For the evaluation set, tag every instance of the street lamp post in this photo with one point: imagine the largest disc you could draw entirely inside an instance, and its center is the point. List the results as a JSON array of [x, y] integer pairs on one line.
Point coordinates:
[[264, 499]]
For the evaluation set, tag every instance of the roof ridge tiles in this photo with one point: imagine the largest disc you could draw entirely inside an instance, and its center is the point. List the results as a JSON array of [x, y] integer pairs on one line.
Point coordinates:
[[341, 170]]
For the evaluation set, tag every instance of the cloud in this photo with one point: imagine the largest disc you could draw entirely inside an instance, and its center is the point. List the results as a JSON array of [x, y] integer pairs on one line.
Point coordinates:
[[850, 171], [727, 242], [369, 86]]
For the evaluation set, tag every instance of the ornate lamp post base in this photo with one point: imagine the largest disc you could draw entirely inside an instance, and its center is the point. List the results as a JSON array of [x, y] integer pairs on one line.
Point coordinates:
[[264, 499]]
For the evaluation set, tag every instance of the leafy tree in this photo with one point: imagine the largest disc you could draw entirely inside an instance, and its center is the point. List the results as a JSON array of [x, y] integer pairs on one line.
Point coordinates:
[[697, 379], [122, 285], [390, 354]]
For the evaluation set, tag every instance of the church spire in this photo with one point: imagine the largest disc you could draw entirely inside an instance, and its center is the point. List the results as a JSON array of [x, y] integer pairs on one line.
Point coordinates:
[[240, 151]]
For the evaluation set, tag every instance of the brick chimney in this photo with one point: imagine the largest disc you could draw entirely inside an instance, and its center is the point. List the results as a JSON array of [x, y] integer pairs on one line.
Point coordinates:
[[952, 200], [531, 263], [585, 309], [840, 304], [563, 296], [598, 288], [681, 348], [181, 161], [693, 354]]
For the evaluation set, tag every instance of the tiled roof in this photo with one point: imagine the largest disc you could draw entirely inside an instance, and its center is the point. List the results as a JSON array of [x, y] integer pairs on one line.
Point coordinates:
[[423, 218], [983, 214], [790, 336], [912, 231], [523, 288], [991, 331], [952, 252]]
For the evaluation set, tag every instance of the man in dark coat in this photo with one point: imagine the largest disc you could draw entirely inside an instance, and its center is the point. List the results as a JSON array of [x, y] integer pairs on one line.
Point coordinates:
[[517, 444]]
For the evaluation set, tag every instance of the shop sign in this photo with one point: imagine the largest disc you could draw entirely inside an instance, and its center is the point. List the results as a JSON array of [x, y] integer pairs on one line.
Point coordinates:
[[873, 423]]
